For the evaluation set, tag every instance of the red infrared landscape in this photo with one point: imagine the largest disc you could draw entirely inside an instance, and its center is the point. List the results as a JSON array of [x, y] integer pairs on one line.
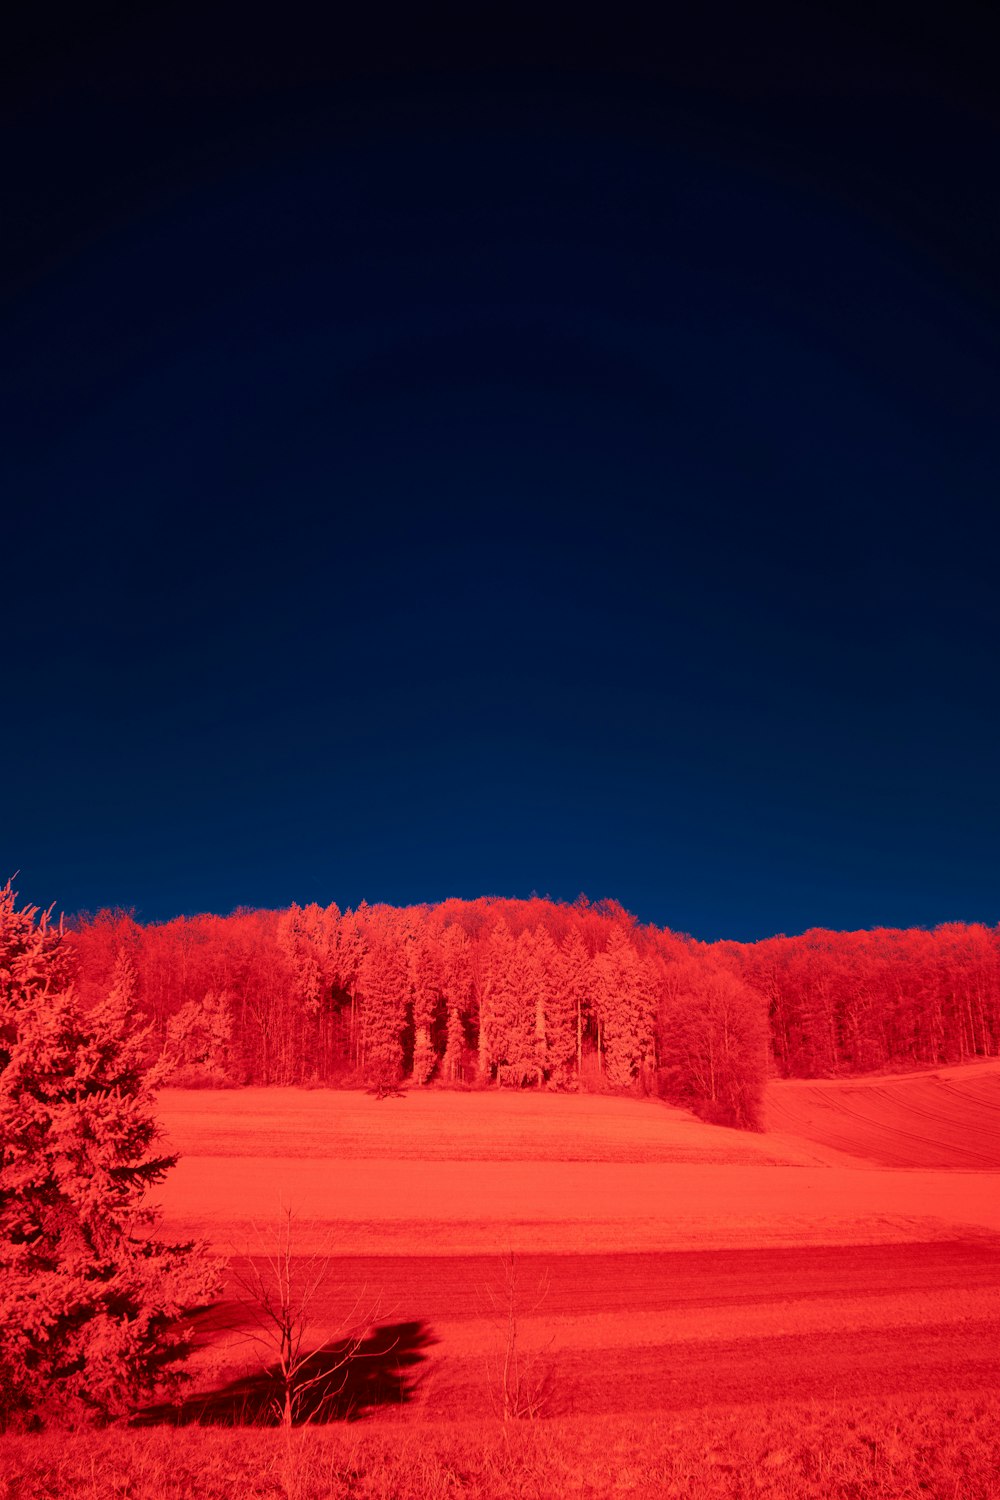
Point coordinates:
[[517, 1190], [451, 456]]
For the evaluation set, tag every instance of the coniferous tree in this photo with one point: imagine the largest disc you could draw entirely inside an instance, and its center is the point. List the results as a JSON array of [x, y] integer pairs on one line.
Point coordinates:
[[576, 984], [89, 1298], [625, 994], [384, 983], [456, 965], [543, 971], [296, 934], [352, 948], [560, 1008], [521, 1025], [424, 961], [497, 1001]]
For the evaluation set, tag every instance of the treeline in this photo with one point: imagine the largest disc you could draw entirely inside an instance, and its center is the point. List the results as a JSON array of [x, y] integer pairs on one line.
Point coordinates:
[[859, 1002], [545, 994], [492, 991]]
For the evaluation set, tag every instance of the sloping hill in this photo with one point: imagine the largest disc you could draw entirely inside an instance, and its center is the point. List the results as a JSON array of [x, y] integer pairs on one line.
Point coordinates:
[[946, 1118]]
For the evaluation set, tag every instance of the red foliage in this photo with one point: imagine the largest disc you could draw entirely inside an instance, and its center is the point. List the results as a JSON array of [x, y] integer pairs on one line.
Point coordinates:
[[89, 1297], [540, 992]]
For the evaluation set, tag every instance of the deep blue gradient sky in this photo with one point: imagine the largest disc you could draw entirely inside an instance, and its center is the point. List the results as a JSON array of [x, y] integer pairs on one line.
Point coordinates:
[[462, 463]]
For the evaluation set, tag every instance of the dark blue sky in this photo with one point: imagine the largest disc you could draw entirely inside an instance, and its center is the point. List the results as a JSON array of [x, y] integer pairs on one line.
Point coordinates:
[[460, 462]]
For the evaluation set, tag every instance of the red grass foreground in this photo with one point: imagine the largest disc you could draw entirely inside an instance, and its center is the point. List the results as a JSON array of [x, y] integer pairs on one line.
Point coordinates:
[[847, 1450]]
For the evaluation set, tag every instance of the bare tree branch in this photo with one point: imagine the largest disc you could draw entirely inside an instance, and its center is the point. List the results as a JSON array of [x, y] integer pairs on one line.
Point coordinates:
[[519, 1384], [280, 1290]]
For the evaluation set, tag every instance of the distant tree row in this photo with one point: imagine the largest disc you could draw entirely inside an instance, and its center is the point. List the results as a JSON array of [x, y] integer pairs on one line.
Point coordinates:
[[858, 1002], [544, 994], [488, 992]]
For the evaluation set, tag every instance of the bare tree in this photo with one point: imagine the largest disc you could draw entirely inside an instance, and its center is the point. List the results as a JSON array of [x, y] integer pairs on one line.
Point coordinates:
[[519, 1383], [281, 1291]]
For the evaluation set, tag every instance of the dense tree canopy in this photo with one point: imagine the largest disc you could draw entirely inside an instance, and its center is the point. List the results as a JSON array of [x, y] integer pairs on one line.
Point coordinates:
[[542, 993]]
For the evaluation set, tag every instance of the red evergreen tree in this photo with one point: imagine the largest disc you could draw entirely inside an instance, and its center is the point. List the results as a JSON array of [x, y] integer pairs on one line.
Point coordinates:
[[88, 1296], [424, 961]]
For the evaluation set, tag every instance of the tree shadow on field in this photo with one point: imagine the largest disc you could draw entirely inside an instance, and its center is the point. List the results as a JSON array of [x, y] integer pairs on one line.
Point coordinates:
[[341, 1382]]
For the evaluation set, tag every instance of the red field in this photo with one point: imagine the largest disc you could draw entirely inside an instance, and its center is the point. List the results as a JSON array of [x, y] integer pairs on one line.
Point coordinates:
[[948, 1118], [663, 1264], [808, 1314]]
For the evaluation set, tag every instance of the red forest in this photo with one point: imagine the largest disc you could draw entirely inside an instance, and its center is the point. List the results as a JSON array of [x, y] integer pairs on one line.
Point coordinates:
[[540, 993]]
